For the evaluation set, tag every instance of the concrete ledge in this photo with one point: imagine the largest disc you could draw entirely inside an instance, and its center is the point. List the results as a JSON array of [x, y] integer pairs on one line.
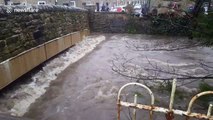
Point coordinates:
[[76, 37], [84, 33], [51, 48], [68, 41], [54, 47], [17, 66], [26, 61], [9, 117], [5, 76]]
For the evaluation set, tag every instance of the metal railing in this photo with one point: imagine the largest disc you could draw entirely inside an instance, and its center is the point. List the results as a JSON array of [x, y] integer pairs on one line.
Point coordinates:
[[170, 112]]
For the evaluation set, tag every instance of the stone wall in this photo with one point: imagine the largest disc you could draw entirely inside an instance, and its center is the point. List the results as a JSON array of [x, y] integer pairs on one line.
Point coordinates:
[[22, 31], [1, 2], [118, 23], [109, 22], [15, 67], [31, 37]]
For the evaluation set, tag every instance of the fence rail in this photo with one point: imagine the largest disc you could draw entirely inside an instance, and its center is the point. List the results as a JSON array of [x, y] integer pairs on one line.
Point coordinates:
[[168, 111]]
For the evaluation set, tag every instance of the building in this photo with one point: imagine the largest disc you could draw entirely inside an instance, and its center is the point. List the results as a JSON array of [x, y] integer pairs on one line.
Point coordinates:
[[72, 3], [2, 2], [33, 2]]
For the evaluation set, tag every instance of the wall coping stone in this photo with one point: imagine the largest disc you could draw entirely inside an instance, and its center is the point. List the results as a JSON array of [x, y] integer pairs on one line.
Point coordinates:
[[41, 8], [110, 13]]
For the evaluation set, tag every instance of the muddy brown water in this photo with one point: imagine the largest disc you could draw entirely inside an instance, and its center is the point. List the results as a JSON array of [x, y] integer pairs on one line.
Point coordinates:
[[87, 89]]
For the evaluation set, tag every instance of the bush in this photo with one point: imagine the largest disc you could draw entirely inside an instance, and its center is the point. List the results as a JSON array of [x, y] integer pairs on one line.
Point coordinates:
[[204, 100], [204, 29], [175, 26]]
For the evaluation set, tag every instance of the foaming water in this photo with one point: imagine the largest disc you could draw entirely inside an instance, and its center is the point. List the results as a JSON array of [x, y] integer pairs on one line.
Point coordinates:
[[28, 93]]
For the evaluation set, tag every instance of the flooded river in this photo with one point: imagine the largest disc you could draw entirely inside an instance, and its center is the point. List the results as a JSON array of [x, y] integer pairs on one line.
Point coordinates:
[[80, 84]]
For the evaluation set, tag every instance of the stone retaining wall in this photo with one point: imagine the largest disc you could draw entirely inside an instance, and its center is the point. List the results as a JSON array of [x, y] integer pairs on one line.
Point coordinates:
[[15, 67], [113, 22], [109, 22], [28, 38], [20, 31]]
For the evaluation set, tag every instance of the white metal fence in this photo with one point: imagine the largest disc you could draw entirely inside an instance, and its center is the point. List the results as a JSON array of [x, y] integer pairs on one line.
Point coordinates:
[[170, 112]]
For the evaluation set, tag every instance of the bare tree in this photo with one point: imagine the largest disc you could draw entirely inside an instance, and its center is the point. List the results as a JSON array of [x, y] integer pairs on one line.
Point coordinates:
[[151, 70]]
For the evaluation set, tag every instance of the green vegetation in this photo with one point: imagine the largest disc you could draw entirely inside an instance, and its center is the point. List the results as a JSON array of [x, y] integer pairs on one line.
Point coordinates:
[[205, 87], [167, 25], [132, 26], [139, 94], [204, 29], [168, 87], [204, 100]]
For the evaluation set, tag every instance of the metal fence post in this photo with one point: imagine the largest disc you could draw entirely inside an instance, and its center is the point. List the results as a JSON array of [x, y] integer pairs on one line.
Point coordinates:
[[170, 111], [209, 110], [119, 109], [170, 114], [119, 102], [134, 110]]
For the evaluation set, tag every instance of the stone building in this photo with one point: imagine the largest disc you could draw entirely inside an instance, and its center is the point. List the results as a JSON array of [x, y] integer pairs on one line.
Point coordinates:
[[2, 2], [73, 3], [16, 2], [82, 3]]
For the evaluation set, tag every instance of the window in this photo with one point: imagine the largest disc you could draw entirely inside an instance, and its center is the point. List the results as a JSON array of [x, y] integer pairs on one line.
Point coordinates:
[[65, 4], [41, 2], [72, 4], [16, 3], [84, 4], [24, 3], [9, 3]]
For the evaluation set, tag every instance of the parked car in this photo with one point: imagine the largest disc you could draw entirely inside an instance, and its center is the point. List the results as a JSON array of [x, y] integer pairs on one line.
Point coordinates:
[[120, 8], [137, 10], [113, 9], [137, 6]]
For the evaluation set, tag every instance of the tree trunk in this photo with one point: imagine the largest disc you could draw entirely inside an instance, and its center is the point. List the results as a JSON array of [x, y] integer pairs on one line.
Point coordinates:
[[197, 8]]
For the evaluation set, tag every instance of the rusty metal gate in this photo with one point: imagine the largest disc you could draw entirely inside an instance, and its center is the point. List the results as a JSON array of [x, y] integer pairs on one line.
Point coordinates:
[[168, 111]]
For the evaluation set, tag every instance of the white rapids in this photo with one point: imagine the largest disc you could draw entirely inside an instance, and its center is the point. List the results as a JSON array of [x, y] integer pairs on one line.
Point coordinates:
[[28, 93]]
